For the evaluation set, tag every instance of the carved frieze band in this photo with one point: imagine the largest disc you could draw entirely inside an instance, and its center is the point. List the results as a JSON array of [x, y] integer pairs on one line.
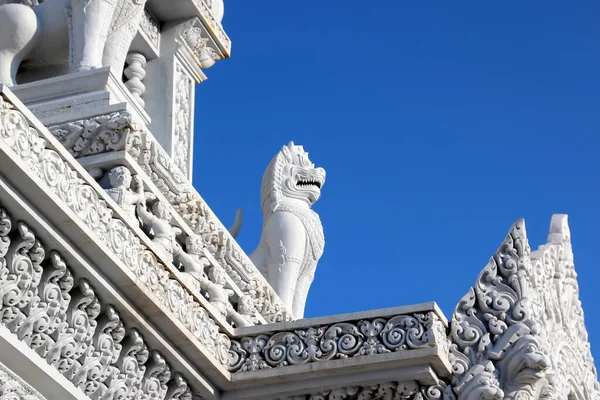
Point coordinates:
[[71, 328], [150, 27], [61, 179], [115, 132], [411, 390], [183, 126], [337, 341], [216, 27], [13, 387], [197, 40], [96, 135], [169, 179]]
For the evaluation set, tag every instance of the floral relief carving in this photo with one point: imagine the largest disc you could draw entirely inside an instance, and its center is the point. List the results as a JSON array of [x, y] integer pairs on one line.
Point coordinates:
[[74, 342], [383, 391], [95, 135], [169, 179], [214, 24], [490, 318], [166, 174], [336, 341], [151, 28], [13, 387], [198, 42], [162, 170], [519, 332], [184, 86], [66, 324], [19, 278], [83, 199]]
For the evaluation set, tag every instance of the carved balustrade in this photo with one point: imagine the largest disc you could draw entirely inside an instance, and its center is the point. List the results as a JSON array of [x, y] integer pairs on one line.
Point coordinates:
[[339, 341], [135, 72], [190, 45], [63, 320], [73, 319], [519, 333], [131, 145], [141, 234], [44, 159], [356, 356]]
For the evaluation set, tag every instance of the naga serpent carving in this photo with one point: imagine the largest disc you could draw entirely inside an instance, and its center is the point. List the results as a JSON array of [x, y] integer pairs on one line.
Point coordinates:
[[292, 238]]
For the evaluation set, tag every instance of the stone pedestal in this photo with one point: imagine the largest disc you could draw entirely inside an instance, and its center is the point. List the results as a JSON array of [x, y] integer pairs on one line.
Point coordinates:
[[79, 96]]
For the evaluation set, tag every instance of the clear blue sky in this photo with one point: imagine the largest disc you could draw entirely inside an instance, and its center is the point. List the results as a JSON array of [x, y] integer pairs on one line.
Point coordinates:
[[439, 125]]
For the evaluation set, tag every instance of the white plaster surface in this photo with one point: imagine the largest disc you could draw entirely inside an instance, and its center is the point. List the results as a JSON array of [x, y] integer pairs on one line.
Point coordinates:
[[113, 259], [292, 239]]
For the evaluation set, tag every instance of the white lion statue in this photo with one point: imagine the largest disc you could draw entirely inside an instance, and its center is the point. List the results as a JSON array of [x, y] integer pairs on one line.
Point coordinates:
[[292, 238]]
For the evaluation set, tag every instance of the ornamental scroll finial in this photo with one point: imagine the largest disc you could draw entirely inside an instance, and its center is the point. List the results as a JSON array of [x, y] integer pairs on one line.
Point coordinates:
[[519, 332], [492, 332]]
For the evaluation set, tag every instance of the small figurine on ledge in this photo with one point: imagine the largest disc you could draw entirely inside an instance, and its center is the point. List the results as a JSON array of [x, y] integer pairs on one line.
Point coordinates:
[[120, 190], [159, 220], [194, 264], [192, 259], [247, 309], [218, 295]]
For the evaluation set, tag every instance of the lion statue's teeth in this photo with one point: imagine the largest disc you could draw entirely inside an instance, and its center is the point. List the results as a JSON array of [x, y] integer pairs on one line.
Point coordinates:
[[292, 239]]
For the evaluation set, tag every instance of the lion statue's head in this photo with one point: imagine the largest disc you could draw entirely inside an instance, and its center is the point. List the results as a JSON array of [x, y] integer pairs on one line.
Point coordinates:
[[291, 175]]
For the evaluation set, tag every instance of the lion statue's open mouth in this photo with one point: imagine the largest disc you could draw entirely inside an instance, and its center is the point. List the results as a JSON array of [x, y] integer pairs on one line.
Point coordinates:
[[311, 186], [296, 177]]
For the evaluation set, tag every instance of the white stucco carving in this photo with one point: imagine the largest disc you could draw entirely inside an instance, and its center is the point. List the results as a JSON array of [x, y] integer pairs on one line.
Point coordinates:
[[212, 15], [169, 179], [103, 133], [182, 113], [217, 8], [13, 387], [159, 220], [211, 279], [135, 73], [63, 33], [342, 340], [120, 180], [519, 332], [193, 36], [151, 28], [186, 298], [383, 391], [558, 317], [69, 327], [59, 176], [292, 239], [115, 132]]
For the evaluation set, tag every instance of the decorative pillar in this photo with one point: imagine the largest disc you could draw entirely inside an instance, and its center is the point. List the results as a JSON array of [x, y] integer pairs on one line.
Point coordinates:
[[135, 73], [186, 49]]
